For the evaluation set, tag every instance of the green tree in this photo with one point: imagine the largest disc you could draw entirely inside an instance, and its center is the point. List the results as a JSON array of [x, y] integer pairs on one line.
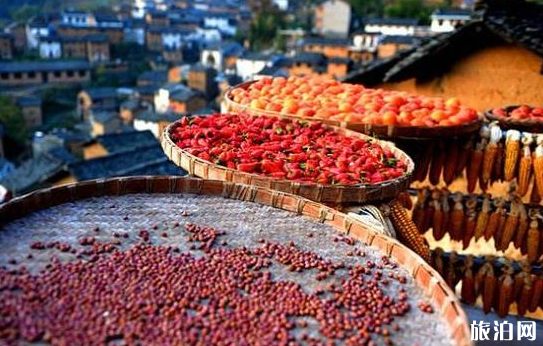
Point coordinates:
[[12, 119], [267, 20], [24, 13], [365, 8], [417, 9]]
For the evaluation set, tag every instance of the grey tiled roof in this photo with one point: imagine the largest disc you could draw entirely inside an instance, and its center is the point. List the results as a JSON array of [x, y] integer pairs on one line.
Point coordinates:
[[38, 66], [116, 142], [495, 21], [141, 160]]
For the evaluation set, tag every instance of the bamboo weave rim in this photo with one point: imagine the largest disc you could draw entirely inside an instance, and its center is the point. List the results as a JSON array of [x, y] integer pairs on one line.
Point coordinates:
[[359, 193], [384, 131], [507, 123], [427, 278]]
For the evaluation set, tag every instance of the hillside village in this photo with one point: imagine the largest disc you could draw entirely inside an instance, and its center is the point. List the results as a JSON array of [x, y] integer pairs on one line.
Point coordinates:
[[89, 92]]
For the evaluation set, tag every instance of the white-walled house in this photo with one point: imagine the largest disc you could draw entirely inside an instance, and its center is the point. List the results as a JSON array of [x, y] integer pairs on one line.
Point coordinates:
[[207, 35], [36, 28], [448, 20], [216, 55], [365, 40], [333, 18], [224, 22], [172, 39], [391, 26], [78, 18], [281, 4], [249, 64], [162, 97], [50, 48]]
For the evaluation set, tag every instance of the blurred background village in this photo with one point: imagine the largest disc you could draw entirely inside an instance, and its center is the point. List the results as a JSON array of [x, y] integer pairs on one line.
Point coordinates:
[[86, 87]]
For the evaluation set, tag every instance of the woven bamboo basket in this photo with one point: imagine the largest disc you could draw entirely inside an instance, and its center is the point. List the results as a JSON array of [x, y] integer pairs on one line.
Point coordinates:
[[429, 281], [382, 131], [526, 125], [360, 193]]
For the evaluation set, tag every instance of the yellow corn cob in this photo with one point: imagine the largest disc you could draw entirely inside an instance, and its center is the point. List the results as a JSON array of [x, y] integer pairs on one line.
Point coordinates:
[[510, 227], [512, 146], [437, 222], [525, 167], [538, 166], [407, 231], [493, 220], [523, 302], [490, 153], [437, 164], [501, 226], [535, 197], [532, 241], [474, 166], [482, 219]]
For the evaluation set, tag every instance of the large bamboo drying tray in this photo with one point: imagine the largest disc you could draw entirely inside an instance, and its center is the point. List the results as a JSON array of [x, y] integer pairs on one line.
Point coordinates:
[[433, 286], [383, 131], [359, 193]]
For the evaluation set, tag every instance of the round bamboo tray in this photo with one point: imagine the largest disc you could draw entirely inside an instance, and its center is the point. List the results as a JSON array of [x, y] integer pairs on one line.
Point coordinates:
[[526, 125], [360, 193], [426, 278], [381, 131]]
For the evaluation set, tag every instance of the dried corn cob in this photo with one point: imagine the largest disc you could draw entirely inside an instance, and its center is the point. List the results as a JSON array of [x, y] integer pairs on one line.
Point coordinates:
[[438, 261], [420, 206], [533, 240], [474, 165], [407, 231], [491, 150], [501, 226], [437, 222], [482, 219], [512, 146], [536, 293], [525, 166], [449, 166], [535, 197], [505, 294], [421, 169], [429, 213], [450, 274], [489, 287], [497, 170], [510, 226], [493, 220], [522, 228], [456, 220], [538, 165], [405, 199], [519, 278], [463, 156], [470, 222], [525, 296], [468, 284], [438, 158], [523, 288]]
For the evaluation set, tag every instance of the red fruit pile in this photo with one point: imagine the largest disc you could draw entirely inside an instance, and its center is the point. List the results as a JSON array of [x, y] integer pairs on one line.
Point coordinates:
[[520, 112], [332, 100], [286, 149]]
